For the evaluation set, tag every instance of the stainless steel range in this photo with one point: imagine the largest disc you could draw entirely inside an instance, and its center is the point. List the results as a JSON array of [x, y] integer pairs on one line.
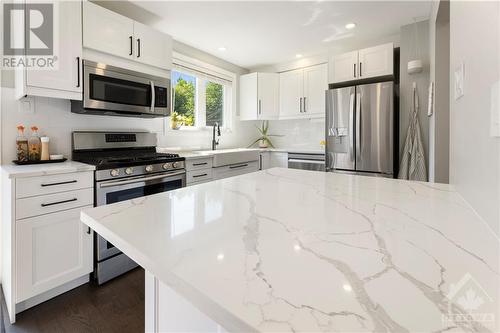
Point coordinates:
[[127, 167]]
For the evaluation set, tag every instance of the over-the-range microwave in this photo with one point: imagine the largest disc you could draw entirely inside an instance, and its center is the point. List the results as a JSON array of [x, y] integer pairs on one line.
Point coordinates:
[[109, 90]]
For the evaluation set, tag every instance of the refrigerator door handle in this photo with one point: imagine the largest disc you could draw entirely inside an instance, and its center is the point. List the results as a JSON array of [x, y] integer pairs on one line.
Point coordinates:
[[358, 126], [351, 126]]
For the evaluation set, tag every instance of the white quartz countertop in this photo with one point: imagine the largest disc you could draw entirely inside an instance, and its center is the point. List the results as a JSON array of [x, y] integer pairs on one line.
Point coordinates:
[[292, 250], [191, 154], [18, 171]]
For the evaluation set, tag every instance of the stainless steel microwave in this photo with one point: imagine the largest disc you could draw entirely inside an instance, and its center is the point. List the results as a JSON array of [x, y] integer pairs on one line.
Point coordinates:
[[109, 90]]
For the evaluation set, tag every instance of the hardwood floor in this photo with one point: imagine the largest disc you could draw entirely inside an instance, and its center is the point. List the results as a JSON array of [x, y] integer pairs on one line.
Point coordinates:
[[117, 306]]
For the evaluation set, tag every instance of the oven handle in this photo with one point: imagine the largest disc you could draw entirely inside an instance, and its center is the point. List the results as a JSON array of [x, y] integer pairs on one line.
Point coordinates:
[[153, 97], [138, 180]]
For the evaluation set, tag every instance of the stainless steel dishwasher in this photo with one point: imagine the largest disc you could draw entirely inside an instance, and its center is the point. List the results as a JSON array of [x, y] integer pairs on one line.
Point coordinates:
[[306, 161]]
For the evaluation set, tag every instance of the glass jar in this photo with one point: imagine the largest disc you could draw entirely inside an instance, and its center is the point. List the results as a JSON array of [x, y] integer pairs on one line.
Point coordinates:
[[21, 145], [34, 145], [45, 148]]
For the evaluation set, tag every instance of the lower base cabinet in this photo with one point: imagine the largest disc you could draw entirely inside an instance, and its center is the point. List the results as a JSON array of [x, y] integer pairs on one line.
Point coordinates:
[[235, 169], [52, 249], [273, 159]]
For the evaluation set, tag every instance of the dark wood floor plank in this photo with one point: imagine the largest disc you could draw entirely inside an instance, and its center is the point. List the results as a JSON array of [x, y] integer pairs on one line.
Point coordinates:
[[117, 306]]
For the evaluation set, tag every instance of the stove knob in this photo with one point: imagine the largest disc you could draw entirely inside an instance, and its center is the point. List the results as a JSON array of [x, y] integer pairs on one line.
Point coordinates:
[[167, 166], [175, 165], [114, 172], [129, 171], [149, 168]]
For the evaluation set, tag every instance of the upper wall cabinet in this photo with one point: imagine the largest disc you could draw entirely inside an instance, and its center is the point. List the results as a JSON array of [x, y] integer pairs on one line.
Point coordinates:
[[302, 92], [111, 33], [363, 64], [259, 96], [64, 80]]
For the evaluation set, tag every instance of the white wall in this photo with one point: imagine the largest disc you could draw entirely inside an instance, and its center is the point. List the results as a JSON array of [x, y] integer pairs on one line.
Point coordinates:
[[407, 53], [474, 153]]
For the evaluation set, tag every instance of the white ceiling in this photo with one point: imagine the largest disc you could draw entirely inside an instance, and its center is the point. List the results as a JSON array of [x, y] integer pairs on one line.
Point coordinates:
[[264, 33]]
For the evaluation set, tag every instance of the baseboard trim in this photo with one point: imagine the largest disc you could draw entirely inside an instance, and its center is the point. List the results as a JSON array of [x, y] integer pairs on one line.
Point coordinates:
[[35, 300]]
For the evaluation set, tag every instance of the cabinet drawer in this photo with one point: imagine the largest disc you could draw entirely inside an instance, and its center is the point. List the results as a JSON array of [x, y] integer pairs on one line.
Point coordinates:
[[199, 175], [198, 164], [235, 169], [28, 187], [50, 203]]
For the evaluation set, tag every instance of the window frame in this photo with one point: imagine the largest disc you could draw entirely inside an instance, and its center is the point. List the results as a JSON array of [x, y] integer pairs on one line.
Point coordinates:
[[204, 72]]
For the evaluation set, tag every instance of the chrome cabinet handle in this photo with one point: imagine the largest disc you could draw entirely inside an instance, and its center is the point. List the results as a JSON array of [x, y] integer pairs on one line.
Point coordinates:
[[88, 230], [59, 183], [360, 69], [78, 72], [58, 202], [300, 105], [354, 70], [238, 166], [131, 46], [138, 47], [260, 107], [305, 105], [198, 164]]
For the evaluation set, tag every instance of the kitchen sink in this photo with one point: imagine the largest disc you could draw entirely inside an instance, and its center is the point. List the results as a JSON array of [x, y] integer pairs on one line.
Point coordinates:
[[223, 157]]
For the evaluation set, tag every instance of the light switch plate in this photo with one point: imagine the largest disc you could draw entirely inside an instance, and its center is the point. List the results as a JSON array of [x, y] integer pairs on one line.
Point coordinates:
[[459, 81]]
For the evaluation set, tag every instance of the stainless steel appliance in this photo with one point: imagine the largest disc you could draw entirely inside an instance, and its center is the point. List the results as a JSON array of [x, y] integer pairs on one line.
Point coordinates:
[[109, 90], [127, 167], [360, 129], [306, 161]]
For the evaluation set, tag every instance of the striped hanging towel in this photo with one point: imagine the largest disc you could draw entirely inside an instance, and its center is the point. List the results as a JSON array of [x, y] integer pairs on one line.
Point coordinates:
[[412, 165]]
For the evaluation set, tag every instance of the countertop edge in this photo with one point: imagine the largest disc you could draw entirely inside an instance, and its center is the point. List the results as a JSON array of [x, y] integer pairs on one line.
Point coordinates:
[[14, 171], [200, 301]]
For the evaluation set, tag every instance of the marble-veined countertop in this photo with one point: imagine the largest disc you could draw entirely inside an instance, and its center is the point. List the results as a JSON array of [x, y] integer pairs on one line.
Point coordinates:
[[291, 250], [19, 171]]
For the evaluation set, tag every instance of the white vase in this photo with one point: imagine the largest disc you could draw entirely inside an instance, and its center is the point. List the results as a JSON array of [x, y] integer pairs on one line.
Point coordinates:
[[262, 143]]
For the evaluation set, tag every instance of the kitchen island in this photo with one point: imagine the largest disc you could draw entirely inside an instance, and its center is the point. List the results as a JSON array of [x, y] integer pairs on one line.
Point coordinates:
[[293, 250]]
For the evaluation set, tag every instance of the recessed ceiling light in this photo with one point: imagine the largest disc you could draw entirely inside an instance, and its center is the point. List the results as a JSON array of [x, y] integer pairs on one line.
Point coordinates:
[[298, 56], [222, 49], [350, 26]]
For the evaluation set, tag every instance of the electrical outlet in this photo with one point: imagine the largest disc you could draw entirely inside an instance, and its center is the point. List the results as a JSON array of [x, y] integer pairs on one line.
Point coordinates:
[[459, 81], [27, 105]]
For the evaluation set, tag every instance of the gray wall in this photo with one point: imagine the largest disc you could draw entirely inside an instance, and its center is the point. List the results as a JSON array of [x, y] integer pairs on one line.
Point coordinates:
[[474, 152], [407, 49]]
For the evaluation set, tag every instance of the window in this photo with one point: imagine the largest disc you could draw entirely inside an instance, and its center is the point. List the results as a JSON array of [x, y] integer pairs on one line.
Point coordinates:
[[202, 95]]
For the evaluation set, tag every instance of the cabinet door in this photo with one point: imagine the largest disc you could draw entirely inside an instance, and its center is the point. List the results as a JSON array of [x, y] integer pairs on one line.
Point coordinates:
[[265, 160], [52, 249], [343, 67], [315, 85], [152, 47], [106, 31], [278, 159], [268, 96], [69, 52], [376, 61], [248, 97], [291, 93]]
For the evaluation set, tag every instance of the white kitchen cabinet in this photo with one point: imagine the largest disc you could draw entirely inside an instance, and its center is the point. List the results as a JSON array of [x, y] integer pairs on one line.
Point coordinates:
[[52, 250], [302, 92], [46, 250], [199, 170], [235, 169], [259, 96], [65, 80], [108, 32], [315, 85], [152, 47], [376, 61], [362, 64], [344, 67]]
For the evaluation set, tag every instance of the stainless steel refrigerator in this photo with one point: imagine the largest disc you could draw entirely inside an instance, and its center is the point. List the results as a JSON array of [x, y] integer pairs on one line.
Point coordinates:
[[360, 131]]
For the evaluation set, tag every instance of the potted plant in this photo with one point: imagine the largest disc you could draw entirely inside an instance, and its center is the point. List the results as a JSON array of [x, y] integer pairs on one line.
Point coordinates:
[[175, 120], [264, 140]]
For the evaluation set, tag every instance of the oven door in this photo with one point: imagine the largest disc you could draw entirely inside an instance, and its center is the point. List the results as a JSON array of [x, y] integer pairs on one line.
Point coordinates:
[[114, 89], [111, 191]]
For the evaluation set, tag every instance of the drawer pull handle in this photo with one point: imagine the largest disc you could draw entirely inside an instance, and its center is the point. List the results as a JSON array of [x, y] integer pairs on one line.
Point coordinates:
[[88, 230], [58, 202], [60, 183], [202, 175], [198, 164], [238, 166]]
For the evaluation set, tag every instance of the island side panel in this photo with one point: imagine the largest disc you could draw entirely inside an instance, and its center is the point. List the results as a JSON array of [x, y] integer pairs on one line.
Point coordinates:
[[167, 311]]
